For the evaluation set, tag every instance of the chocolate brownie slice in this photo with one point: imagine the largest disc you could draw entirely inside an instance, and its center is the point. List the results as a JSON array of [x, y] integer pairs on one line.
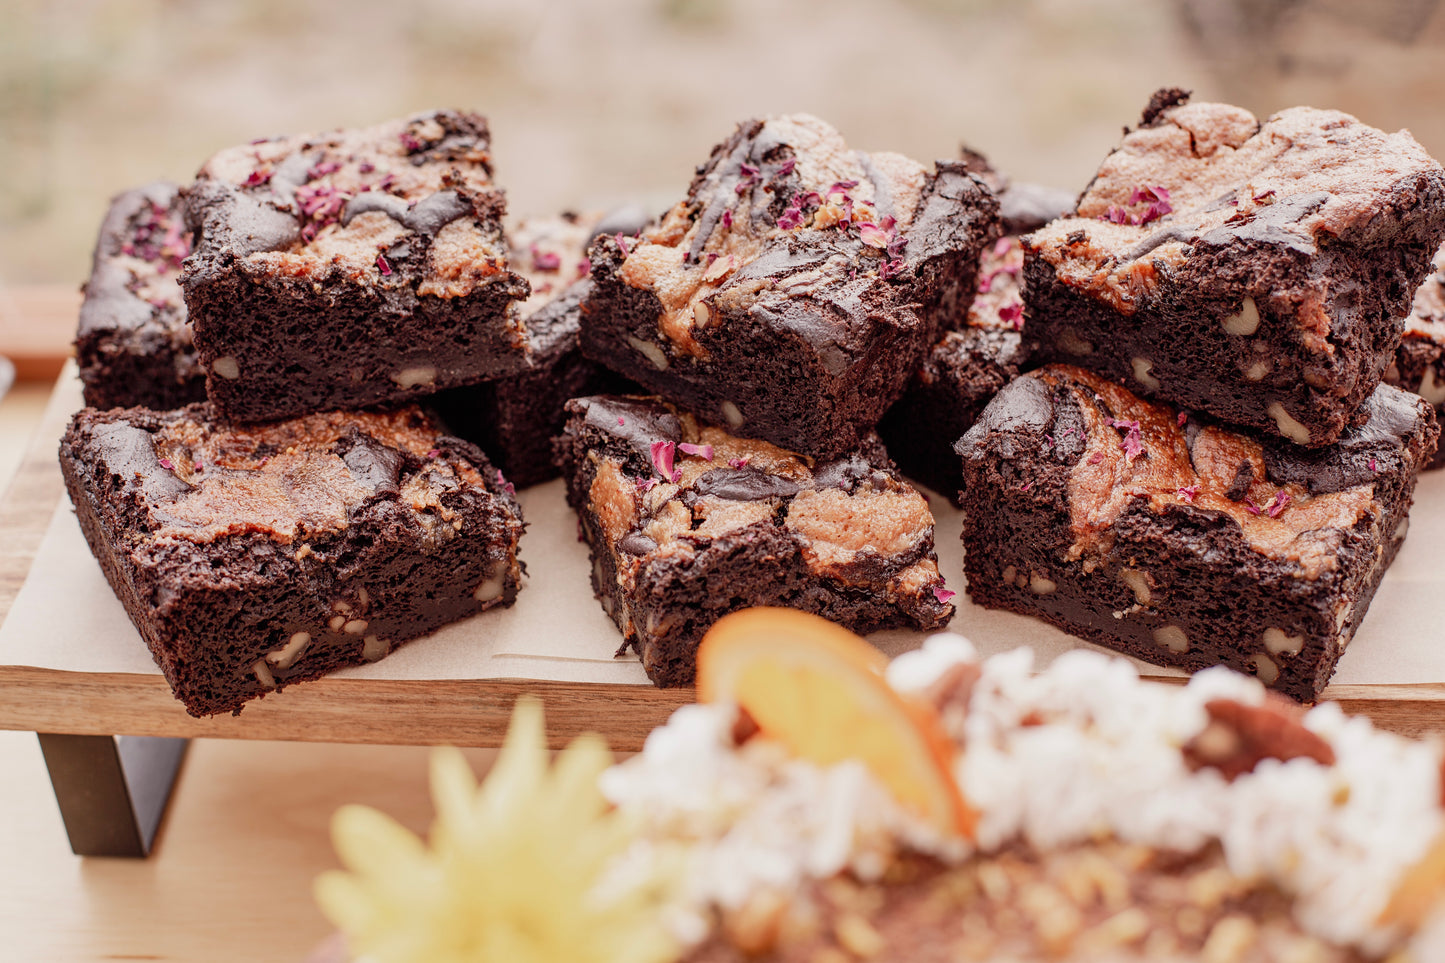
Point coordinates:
[[1181, 542], [1419, 363], [515, 418], [1256, 271], [794, 290], [965, 369], [133, 345], [351, 268], [251, 558], [687, 522]]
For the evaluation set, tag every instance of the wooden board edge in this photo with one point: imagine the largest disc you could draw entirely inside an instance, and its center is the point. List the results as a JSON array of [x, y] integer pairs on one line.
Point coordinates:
[[27, 505], [472, 712]]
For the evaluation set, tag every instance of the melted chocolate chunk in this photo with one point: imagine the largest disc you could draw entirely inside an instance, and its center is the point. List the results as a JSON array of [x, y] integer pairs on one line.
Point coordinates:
[[744, 484], [371, 463]]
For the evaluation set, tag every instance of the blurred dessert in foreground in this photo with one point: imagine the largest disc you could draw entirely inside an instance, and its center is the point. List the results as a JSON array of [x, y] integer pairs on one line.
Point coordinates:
[[949, 809]]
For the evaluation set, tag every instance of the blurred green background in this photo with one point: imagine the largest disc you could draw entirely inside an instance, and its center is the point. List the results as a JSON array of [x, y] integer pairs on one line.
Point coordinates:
[[597, 101]]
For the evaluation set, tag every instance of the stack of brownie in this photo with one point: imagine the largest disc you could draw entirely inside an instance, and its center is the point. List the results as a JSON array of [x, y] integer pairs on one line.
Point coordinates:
[[776, 312], [1207, 468], [275, 530]]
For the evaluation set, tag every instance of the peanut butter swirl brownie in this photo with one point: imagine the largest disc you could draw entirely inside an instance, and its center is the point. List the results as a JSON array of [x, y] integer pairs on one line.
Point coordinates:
[[133, 345], [960, 375], [1258, 271], [1179, 541], [514, 419], [251, 558], [793, 291], [1419, 364], [351, 268], [687, 522]]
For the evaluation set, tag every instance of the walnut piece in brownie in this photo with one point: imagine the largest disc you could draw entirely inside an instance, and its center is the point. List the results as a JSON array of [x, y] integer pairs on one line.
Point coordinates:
[[687, 522], [959, 376], [1255, 271], [794, 290], [351, 268], [514, 419], [253, 558], [1181, 542], [1419, 363], [133, 345]]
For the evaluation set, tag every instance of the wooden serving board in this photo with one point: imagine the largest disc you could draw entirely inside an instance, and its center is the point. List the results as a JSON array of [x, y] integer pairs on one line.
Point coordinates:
[[423, 694]]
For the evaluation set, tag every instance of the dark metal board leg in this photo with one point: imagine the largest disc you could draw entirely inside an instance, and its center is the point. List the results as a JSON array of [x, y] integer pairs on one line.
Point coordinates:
[[112, 790]]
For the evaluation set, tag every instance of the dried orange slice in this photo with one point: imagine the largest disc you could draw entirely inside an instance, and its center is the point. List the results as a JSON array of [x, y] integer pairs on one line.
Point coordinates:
[[819, 690], [1420, 889]]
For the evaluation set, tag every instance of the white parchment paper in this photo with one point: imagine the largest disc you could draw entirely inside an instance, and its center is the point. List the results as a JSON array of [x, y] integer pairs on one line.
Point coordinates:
[[66, 617]]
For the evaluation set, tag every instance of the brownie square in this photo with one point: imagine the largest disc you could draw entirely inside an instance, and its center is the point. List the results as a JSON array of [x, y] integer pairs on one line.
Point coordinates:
[[351, 268], [1419, 363], [687, 522], [1180, 541], [251, 558], [133, 345], [1255, 271], [514, 419], [960, 375], [797, 286]]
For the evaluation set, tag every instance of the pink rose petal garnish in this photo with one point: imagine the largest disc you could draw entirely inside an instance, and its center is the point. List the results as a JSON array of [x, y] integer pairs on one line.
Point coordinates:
[[702, 451], [664, 454], [943, 593]]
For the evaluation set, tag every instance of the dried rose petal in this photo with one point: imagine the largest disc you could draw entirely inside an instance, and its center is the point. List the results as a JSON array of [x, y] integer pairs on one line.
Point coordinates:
[[1012, 314], [943, 593], [1372, 466], [873, 236], [1188, 493], [1096, 457], [1002, 245], [545, 260], [584, 266], [738, 462], [702, 451], [258, 177], [382, 266], [1276, 506], [727, 219], [1133, 441], [663, 455], [167, 464], [787, 167], [1183, 417], [644, 484], [506, 486]]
